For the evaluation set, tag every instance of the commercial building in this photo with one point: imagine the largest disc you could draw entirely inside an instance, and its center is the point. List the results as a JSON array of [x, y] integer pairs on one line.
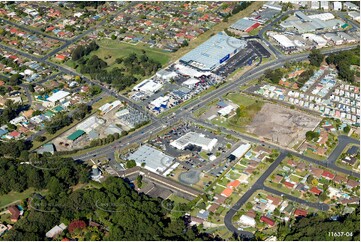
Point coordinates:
[[311, 23], [191, 82], [193, 138], [350, 6], [152, 159], [76, 135], [110, 106], [165, 75], [160, 103], [324, 5], [347, 38], [337, 6], [148, 87], [318, 40], [214, 52], [272, 5], [244, 25], [355, 15], [90, 124], [284, 42], [315, 4], [334, 38]]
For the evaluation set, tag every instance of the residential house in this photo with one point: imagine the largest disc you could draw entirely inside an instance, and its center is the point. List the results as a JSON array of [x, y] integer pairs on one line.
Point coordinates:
[[316, 172], [289, 185], [277, 179], [352, 184], [15, 213], [340, 179], [300, 213], [268, 221], [315, 191], [274, 200], [233, 184], [227, 192], [328, 175]]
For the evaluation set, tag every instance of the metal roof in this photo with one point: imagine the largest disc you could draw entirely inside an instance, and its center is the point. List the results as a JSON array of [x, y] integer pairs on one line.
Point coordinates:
[[242, 24], [76, 135], [210, 54]]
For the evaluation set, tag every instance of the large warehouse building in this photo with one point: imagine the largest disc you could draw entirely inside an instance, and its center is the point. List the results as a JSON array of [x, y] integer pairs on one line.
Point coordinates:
[[154, 160], [212, 53]]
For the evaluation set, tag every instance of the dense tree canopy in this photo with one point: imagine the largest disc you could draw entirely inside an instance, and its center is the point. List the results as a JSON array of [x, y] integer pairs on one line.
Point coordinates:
[[58, 121], [53, 173], [317, 228], [316, 57], [126, 214], [343, 60]]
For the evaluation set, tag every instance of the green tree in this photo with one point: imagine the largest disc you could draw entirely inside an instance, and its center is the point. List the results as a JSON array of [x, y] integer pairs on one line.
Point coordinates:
[[316, 57]]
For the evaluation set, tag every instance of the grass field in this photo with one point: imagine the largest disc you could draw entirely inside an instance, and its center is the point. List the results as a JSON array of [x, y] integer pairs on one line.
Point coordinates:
[[116, 49], [14, 196], [251, 108]]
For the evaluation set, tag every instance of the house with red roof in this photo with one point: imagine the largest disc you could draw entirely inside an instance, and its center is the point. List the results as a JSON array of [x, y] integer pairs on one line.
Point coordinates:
[[15, 213], [227, 192], [328, 175], [267, 220], [274, 200], [315, 191], [300, 213], [233, 184], [60, 57], [14, 135], [289, 184]]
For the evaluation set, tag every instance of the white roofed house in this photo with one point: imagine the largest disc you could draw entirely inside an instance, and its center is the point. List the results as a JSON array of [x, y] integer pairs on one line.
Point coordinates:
[[226, 111], [56, 230], [248, 221], [55, 98]]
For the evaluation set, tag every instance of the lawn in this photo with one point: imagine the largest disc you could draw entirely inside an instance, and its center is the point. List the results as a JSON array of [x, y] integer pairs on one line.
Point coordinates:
[[233, 175], [241, 99], [116, 49], [14, 196], [249, 106], [218, 189], [177, 199]]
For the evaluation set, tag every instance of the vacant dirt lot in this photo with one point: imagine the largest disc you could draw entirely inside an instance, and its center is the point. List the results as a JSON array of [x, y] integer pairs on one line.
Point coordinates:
[[282, 125]]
